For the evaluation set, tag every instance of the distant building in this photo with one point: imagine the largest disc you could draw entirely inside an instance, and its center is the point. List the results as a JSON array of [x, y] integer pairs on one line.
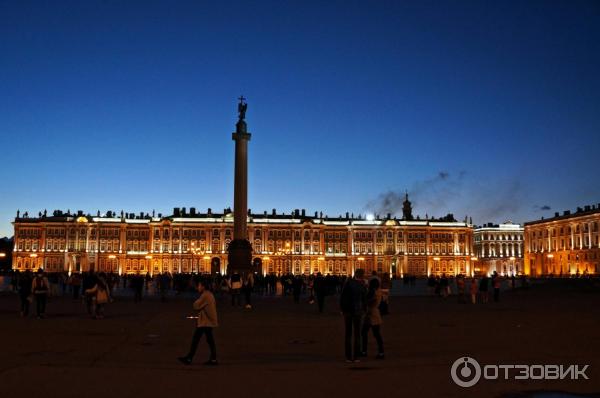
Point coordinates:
[[188, 241], [566, 244], [499, 248]]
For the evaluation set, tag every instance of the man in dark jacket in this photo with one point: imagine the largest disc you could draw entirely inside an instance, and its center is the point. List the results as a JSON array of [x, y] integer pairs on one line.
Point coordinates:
[[353, 303]]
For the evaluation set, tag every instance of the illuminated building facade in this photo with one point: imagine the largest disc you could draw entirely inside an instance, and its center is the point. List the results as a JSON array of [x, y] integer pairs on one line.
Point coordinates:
[[565, 244], [188, 241], [498, 248]]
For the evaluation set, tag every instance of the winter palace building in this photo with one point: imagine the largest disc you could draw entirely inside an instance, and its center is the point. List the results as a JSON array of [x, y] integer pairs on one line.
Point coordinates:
[[188, 241]]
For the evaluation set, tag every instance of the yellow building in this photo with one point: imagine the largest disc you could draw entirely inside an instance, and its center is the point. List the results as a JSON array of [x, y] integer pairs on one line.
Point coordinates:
[[565, 245], [188, 241], [499, 248]]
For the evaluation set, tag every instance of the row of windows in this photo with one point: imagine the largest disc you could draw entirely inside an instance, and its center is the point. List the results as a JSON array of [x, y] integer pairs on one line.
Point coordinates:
[[141, 233], [566, 244], [566, 230], [201, 233], [28, 232], [502, 237]]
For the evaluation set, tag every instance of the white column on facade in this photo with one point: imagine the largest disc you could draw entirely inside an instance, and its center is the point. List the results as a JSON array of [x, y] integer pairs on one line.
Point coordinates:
[[456, 245]]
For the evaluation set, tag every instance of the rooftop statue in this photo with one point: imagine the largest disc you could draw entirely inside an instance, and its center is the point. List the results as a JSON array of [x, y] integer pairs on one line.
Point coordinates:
[[242, 107]]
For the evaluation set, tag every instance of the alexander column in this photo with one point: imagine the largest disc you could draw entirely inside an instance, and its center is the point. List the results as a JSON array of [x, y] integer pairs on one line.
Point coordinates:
[[240, 249]]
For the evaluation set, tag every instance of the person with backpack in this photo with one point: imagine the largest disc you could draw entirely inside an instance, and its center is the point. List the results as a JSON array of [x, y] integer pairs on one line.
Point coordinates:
[[40, 288]]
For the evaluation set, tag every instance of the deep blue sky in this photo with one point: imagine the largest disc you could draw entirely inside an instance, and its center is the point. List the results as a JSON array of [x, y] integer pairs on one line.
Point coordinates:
[[486, 108]]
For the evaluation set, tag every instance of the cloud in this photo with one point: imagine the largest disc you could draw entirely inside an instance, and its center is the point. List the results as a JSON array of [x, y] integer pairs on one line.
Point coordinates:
[[542, 208], [486, 200], [433, 193]]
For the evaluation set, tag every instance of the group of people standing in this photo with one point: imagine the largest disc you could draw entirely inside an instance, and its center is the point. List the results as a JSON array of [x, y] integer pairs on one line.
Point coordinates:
[[361, 303], [472, 288], [33, 288], [36, 287]]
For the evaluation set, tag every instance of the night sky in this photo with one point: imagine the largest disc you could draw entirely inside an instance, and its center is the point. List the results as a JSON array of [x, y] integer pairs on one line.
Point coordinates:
[[484, 108]]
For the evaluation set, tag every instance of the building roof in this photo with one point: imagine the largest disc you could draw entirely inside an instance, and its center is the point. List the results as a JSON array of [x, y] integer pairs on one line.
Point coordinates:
[[294, 217], [580, 212]]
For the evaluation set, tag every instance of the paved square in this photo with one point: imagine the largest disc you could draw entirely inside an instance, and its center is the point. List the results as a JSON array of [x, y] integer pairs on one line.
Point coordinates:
[[284, 349]]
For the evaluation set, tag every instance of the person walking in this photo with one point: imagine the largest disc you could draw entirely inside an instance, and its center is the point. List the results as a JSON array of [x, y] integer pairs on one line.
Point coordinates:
[[40, 288], [353, 305], [473, 290], [24, 286], [373, 319], [206, 308]]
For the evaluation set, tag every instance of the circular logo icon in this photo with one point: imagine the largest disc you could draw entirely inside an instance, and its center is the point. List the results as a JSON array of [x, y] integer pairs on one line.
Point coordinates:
[[465, 372]]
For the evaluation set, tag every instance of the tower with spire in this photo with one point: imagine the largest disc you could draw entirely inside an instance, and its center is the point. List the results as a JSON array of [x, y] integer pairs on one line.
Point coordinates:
[[407, 208]]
